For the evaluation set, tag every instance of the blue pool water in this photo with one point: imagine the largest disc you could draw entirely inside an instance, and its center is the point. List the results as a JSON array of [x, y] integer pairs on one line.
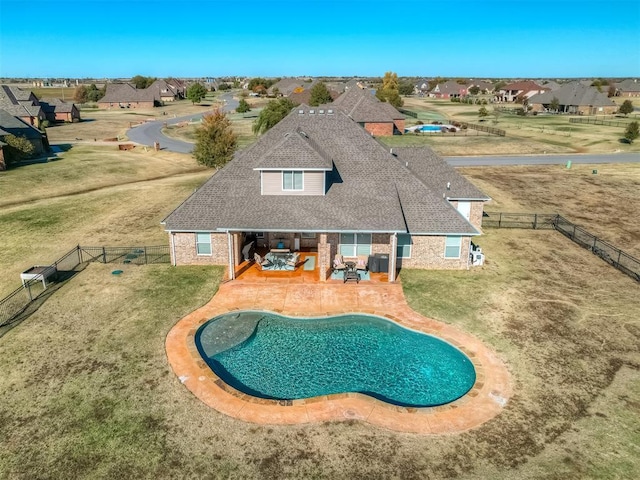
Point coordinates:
[[271, 356], [430, 128]]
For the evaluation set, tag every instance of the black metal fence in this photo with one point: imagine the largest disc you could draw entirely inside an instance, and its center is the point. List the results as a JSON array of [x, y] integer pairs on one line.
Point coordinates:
[[610, 254], [599, 121], [408, 113], [483, 128], [25, 299]]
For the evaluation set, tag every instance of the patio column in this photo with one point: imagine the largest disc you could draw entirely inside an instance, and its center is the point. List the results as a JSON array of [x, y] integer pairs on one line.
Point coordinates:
[[232, 268], [324, 257], [393, 257]]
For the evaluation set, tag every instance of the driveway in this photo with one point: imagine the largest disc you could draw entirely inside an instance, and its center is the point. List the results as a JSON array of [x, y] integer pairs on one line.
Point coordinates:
[[151, 132]]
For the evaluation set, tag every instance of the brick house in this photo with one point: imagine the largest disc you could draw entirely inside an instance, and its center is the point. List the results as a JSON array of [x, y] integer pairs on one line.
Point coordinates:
[[12, 125], [57, 110], [22, 104], [520, 91], [449, 89], [319, 182], [628, 88], [574, 98], [378, 118], [124, 95]]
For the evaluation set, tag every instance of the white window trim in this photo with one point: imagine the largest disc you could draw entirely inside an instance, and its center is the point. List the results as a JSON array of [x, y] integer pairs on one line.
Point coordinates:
[[292, 181], [355, 244], [410, 245], [204, 243], [459, 247]]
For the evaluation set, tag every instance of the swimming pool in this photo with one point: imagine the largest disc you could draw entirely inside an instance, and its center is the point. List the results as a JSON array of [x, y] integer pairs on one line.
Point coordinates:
[[276, 357]]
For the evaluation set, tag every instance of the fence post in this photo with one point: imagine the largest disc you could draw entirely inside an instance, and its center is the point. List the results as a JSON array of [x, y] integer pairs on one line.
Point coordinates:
[[574, 231], [595, 241], [104, 255], [145, 256], [500, 220], [79, 251], [535, 221], [619, 256]]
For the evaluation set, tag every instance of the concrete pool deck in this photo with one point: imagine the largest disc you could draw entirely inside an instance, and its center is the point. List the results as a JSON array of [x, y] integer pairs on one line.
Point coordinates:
[[483, 402]]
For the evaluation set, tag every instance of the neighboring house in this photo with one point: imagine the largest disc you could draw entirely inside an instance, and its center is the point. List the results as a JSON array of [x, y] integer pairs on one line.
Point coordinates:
[[320, 182], [449, 89], [57, 110], [377, 118], [574, 98], [12, 125], [124, 95], [165, 91], [628, 88], [551, 85], [485, 87], [422, 86], [287, 86], [22, 104], [519, 91]]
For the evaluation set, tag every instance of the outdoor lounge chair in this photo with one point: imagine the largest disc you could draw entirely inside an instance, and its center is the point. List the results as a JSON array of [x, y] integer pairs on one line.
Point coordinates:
[[362, 263], [263, 262], [338, 263], [293, 261]]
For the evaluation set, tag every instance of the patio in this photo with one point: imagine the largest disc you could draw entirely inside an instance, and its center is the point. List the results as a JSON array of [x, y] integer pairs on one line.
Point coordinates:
[[249, 271]]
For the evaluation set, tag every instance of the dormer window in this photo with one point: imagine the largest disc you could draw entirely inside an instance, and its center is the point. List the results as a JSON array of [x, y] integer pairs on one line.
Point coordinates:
[[330, 112], [320, 112], [300, 112], [292, 180], [312, 111]]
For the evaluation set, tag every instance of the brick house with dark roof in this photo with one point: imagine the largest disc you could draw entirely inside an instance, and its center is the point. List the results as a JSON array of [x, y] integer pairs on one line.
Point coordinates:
[[57, 110], [22, 104], [124, 95], [449, 89], [628, 88], [319, 181], [377, 118], [12, 125], [574, 98]]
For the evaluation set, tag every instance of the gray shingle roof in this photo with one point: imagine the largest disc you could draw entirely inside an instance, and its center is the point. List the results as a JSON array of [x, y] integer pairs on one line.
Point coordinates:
[[437, 174], [56, 105], [296, 151], [19, 102], [125, 93], [368, 190], [629, 85], [10, 124], [574, 94], [364, 107]]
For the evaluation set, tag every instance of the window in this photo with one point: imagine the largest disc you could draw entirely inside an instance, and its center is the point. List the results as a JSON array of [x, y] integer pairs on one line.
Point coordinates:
[[404, 245], [292, 181], [452, 247], [203, 243], [354, 244], [307, 235]]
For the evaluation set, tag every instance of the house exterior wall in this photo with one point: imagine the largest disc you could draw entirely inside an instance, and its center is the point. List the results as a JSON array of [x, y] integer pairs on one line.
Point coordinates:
[[313, 184], [379, 129], [428, 252], [399, 123], [578, 109], [475, 214], [108, 105], [184, 245]]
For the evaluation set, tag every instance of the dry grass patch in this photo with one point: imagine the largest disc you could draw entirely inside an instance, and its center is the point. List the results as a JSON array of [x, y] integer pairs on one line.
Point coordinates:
[[606, 204]]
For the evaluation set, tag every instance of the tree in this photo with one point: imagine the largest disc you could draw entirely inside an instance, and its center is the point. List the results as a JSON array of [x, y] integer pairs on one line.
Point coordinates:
[[215, 140], [243, 106], [474, 90], [270, 115], [319, 95], [555, 104], [631, 133], [390, 81], [612, 90], [80, 94], [18, 148], [141, 82], [389, 91], [483, 112], [626, 108], [94, 93], [406, 88], [196, 92]]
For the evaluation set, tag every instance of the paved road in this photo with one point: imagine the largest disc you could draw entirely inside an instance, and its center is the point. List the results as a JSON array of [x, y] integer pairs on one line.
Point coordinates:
[[150, 132], [544, 159]]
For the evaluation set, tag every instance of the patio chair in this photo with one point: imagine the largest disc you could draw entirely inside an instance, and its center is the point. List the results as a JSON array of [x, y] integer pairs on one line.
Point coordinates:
[[263, 262], [338, 263], [362, 263], [293, 261]]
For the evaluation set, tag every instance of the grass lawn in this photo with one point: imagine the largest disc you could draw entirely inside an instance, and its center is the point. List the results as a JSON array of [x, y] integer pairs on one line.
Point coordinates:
[[86, 390], [530, 134]]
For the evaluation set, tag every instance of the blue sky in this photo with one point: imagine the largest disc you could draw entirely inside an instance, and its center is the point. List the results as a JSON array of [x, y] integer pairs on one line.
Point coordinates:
[[185, 38]]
